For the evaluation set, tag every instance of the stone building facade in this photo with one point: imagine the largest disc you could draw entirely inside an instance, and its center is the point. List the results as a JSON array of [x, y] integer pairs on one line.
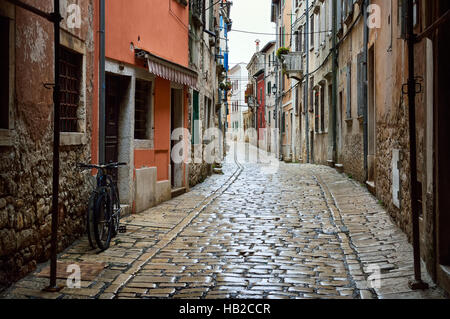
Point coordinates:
[[208, 56], [26, 138], [388, 120], [349, 113], [372, 129]]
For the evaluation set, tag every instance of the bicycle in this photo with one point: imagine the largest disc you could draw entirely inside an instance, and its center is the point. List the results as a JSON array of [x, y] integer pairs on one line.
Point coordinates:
[[103, 214]]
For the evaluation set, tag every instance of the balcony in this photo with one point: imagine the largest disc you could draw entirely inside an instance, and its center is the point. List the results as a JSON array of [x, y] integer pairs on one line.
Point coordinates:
[[293, 63]]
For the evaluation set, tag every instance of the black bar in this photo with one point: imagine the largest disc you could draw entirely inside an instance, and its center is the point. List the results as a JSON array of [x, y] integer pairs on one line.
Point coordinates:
[[102, 89], [417, 284], [56, 140]]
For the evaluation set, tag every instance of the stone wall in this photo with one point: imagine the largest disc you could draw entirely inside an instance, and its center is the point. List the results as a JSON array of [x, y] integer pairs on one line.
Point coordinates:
[[352, 153], [26, 161]]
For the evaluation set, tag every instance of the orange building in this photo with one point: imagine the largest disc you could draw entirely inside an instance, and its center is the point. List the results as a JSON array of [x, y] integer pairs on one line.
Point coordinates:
[[147, 84]]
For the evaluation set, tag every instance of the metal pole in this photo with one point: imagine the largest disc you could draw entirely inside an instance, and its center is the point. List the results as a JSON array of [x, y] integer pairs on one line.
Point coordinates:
[[417, 283], [56, 138], [333, 112], [102, 93], [365, 86], [307, 83]]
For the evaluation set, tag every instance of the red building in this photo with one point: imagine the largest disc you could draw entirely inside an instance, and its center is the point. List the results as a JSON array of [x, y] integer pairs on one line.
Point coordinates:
[[147, 87]]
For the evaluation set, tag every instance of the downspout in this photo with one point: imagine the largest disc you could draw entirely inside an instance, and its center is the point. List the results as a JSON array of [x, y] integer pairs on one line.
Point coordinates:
[[417, 283], [333, 113], [365, 82], [307, 83], [102, 91], [56, 140]]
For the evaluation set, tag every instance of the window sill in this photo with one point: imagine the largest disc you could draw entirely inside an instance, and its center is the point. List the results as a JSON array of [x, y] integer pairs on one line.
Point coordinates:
[[143, 144], [5, 137], [70, 139]]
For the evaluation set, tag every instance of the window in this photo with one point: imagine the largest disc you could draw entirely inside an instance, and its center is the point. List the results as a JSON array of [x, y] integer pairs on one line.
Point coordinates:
[[415, 12], [207, 109], [349, 91], [283, 123], [4, 73], [362, 88], [322, 108], [312, 31], [70, 81], [270, 120], [142, 110], [299, 46], [316, 110], [269, 87], [195, 129]]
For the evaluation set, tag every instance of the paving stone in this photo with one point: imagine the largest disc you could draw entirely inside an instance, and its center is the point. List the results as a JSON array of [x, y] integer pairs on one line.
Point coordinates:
[[304, 231]]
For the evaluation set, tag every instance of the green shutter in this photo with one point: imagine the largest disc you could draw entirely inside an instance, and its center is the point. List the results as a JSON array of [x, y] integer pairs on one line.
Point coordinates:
[[195, 120]]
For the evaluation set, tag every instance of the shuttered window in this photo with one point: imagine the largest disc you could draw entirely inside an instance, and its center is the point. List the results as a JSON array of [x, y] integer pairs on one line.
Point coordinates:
[[322, 108], [195, 126], [362, 87], [349, 91]]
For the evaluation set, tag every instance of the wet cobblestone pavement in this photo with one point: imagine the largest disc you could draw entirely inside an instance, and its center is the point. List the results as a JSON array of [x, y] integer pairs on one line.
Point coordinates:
[[304, 231]]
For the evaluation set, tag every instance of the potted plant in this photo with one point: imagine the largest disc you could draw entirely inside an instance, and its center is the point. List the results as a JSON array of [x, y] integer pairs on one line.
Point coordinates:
[[225, 86], [282, 51]]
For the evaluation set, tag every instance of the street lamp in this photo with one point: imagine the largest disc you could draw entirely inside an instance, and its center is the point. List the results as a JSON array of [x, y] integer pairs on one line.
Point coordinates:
[[274, 89]]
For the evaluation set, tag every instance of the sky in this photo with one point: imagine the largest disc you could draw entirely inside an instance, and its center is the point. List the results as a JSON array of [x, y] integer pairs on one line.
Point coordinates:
[[249, 15]]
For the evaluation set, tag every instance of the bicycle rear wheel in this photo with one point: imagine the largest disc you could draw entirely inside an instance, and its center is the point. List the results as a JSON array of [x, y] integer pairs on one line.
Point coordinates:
[[103, 220], [115, 201], [90, 220]]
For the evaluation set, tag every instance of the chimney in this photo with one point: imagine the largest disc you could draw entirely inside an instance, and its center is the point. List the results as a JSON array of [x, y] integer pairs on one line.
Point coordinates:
[[257, 41]]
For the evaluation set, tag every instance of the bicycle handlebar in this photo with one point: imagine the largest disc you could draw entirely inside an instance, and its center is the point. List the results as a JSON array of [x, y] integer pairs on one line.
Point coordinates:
[[110, 165]]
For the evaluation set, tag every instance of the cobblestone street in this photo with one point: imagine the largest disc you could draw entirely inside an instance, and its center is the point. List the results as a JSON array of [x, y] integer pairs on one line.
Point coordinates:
[[305, 231]]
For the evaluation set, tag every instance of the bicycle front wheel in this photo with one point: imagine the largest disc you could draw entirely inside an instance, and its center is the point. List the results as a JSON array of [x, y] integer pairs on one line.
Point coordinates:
[[103, 221]]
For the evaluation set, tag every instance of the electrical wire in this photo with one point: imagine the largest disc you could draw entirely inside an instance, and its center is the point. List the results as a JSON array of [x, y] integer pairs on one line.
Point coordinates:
[[275, 34]]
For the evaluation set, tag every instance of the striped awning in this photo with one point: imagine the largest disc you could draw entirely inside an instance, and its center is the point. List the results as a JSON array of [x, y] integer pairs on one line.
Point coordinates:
[[169, 70]]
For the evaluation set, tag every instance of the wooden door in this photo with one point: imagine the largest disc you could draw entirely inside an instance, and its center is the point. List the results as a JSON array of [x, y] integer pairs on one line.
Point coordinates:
[[112, 107]]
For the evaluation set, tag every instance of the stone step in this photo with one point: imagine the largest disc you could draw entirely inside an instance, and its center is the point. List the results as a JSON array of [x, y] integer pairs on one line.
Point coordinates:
[[178, 191]]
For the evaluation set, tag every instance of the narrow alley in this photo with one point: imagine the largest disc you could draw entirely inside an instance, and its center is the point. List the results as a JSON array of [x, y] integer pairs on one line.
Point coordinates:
[[224, 150], [303, 231]]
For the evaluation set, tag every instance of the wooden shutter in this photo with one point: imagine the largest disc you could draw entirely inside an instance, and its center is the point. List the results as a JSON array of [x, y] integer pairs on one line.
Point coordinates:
[[362, 87], [349, 90], [195, 119]]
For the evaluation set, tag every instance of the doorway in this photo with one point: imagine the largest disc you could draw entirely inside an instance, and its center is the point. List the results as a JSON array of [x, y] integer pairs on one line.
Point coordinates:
[[176, 120], [114, 85]]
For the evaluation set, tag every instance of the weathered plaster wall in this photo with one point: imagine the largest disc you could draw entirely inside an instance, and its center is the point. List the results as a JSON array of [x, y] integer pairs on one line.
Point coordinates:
[[26, 165]]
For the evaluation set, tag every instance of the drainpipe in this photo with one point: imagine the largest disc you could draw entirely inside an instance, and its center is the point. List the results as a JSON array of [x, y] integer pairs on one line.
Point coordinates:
[[365, 81], [333, 116], [102, 91], [417, 283], [307, 83]]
